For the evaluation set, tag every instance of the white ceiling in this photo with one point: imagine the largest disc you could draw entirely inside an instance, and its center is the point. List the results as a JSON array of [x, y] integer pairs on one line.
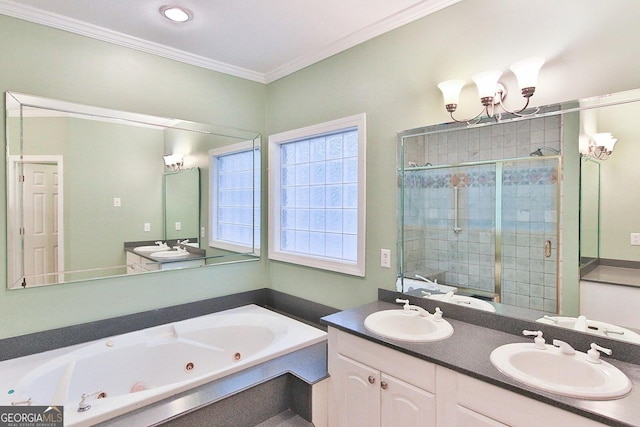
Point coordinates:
[[260, 40]]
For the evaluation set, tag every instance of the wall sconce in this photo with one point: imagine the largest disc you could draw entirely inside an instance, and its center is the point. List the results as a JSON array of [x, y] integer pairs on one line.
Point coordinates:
[[173, 162], [492, 92], [600, 146]]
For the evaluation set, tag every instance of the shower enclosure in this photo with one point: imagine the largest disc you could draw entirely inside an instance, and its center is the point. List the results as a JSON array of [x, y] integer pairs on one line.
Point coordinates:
[[488, 227]]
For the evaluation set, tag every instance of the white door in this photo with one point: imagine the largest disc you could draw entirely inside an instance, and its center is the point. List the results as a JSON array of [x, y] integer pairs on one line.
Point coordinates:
[[40, 207]]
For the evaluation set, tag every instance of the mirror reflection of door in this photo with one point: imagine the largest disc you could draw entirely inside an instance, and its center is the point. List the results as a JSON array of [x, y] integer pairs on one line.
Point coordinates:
[[41, 234], [40, 221]]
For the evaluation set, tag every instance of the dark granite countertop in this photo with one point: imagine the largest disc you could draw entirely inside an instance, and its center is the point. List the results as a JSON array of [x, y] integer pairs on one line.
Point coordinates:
[[467, 351]]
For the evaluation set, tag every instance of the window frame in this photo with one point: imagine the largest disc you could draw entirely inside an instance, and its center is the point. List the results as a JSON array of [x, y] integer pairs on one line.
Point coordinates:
[[356, 268], [213, 155]]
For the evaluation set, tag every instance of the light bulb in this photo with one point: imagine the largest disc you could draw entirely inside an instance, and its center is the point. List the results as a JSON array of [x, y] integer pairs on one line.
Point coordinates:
[[526, 72], [451, 93], [487, 82]]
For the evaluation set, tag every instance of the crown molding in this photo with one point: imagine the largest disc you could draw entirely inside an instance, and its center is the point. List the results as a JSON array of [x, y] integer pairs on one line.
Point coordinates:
[[27, 13], [413, 13]]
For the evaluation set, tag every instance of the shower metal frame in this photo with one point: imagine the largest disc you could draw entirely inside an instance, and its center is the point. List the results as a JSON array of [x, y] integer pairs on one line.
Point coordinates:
[[499, 169]]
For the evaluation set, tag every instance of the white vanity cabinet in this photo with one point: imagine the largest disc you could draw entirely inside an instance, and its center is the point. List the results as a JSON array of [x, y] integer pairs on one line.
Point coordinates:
[[616, 304], [372, 385], [138, 264], [464, 401]]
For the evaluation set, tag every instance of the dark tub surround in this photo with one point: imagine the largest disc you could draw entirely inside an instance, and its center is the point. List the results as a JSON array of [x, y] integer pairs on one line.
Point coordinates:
[[285, 382], [38, 342]]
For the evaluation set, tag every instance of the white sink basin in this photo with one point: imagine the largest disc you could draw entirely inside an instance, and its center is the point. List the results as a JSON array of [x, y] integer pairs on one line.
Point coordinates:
[[403, 326], [594, 327], [465, 301], [151, 248], [553, 371], [169, 254]]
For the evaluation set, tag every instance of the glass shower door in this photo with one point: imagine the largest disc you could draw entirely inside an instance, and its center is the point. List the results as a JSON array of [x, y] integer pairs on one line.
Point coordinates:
[[527, 232], [449, 226]]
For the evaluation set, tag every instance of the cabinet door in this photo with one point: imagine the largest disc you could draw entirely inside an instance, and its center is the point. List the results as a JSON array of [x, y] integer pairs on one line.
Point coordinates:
[[468, 418], [357, 393], [404, 405]]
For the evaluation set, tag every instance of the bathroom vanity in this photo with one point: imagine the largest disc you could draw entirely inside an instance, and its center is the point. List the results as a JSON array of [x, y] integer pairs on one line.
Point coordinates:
[[143, 261], [603, 287], [379, 381]]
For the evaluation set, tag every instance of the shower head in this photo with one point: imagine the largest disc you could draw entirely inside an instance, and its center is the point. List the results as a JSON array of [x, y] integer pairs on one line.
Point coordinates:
[[538, 152]]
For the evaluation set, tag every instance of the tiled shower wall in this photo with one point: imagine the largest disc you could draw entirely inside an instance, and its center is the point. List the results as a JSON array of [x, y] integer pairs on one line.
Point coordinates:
[[529, 210]]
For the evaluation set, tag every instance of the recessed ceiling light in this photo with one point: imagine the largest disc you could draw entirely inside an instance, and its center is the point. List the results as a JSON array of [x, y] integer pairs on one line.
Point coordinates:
[[176, 13]]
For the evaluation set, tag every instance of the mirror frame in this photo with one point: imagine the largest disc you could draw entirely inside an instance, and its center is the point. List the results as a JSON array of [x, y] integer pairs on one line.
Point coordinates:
[[576, 106], [20, 101]]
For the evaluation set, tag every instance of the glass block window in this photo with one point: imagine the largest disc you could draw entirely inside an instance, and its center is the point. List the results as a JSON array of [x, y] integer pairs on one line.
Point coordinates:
[[234, 209], [317, 194]]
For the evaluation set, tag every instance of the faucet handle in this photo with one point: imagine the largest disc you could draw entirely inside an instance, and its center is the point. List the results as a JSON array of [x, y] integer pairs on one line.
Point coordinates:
[[403, 301], [593, 355], [538, 340], [565, 348]]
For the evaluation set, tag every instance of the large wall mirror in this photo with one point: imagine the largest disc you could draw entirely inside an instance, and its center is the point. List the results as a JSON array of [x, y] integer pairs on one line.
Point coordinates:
[[482, 207], [94, 192]]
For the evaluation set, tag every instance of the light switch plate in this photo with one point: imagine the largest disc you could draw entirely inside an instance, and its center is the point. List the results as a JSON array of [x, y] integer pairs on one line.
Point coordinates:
[[385, 258], [635, 239], [147, 226]]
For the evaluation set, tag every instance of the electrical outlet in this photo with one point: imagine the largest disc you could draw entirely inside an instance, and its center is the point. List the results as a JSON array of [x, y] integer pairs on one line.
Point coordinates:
[[147, 226], [117, 202], [635, 239], [385, 258], [178, 226]]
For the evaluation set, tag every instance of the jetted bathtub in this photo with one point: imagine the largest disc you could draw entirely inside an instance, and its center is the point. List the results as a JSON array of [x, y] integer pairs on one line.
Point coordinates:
[[125, 372]]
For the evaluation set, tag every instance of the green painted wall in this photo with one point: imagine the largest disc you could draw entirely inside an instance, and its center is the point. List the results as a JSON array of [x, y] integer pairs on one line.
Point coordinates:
[[52, 63], [393, 79], [182, 203], [620, 197]]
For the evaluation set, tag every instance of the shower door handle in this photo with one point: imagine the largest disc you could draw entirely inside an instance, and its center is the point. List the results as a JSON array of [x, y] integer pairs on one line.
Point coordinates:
[[547, 248]]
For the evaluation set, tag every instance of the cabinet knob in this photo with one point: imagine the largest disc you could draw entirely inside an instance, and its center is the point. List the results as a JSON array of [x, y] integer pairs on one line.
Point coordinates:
[[371, 379], [384, 385]]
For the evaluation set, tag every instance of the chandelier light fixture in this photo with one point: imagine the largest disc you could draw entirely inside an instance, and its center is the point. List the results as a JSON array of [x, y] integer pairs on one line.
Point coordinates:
[[492, 93], [173, 162], [600, 146]]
